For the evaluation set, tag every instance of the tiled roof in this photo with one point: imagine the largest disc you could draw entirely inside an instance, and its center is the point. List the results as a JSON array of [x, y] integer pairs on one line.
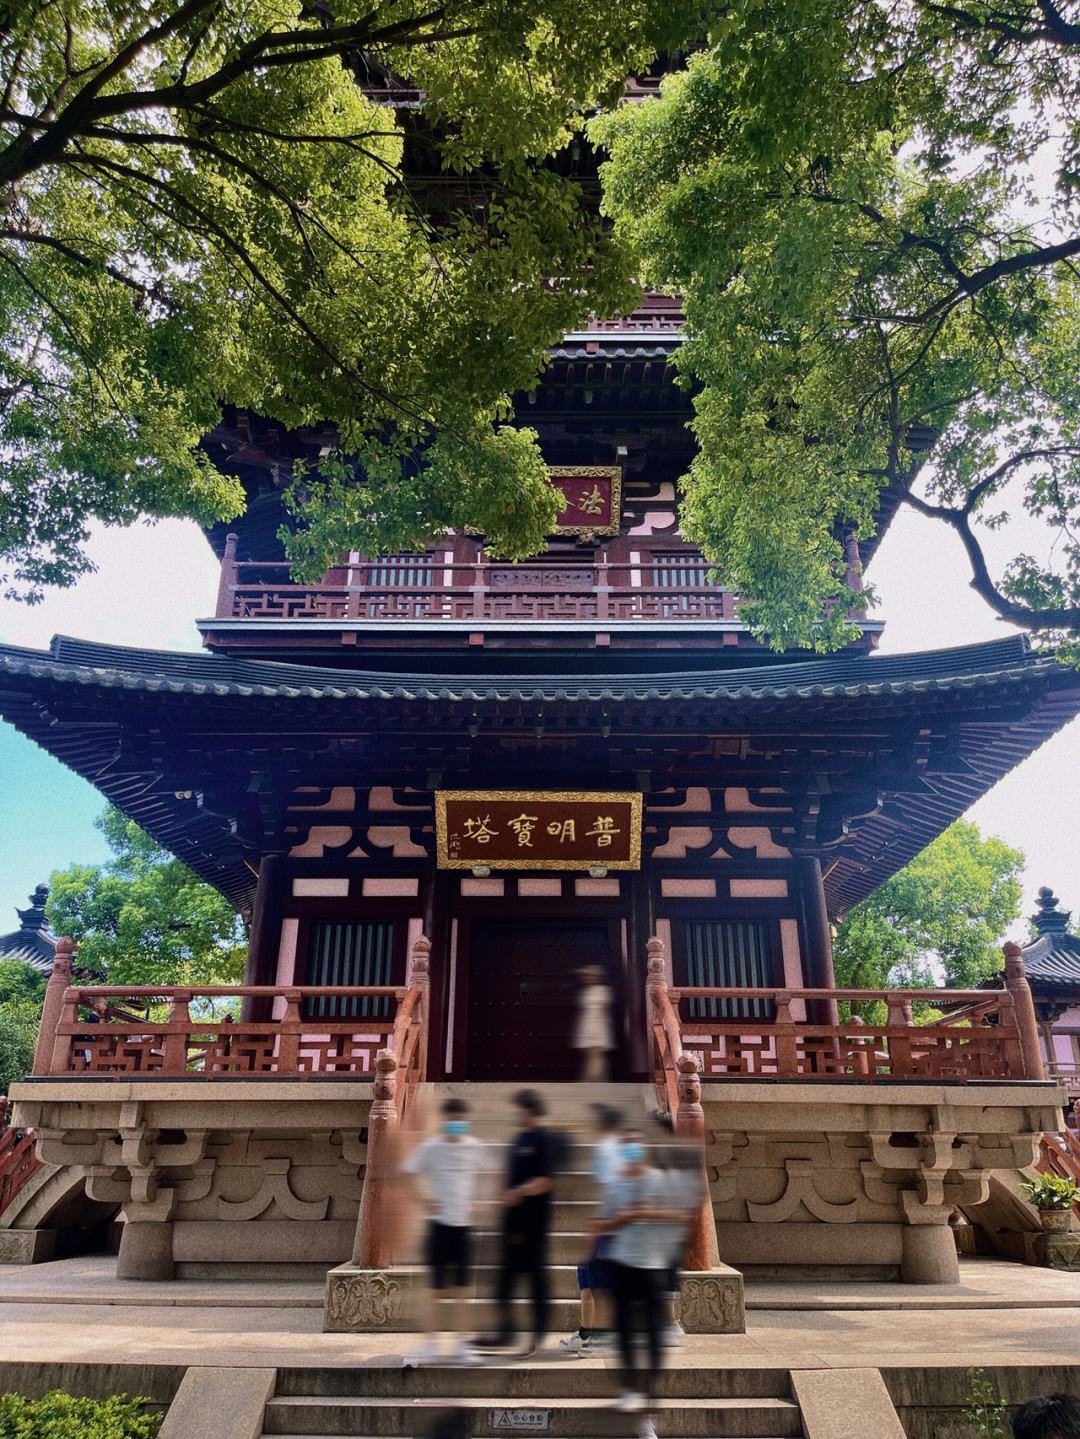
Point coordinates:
[[100, 709], [72, 661]]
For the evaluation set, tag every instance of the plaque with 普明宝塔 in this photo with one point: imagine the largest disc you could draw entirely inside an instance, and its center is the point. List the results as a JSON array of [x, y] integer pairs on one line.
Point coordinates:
[[511, 829]]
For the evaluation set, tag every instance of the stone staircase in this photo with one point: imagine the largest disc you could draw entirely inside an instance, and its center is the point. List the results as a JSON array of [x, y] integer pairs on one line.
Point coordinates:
[[570, 1399], [575, 1198]]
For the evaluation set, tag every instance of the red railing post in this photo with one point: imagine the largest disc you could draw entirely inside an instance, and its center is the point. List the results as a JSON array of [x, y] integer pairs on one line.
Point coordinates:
[[288, 1053], [1024, 1008], [227, 579], [787, 1038], [174, 1052], [374, 1233], [418, 975], [898, 1045], [701, 1246], [57, 986]]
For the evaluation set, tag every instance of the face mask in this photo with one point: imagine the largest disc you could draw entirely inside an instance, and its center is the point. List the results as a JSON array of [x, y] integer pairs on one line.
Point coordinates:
[[456, 1126], [633, 1153]]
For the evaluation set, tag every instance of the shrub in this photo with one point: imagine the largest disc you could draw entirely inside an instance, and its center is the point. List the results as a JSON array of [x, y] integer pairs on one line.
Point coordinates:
[[1051, 1191], [66, 1416]]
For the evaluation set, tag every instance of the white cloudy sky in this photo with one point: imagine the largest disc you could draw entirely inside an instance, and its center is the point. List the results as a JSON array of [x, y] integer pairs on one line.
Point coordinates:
[[152, 581]]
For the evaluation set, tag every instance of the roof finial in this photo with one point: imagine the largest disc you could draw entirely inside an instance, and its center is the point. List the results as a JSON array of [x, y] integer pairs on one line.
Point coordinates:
[[1051, 918]]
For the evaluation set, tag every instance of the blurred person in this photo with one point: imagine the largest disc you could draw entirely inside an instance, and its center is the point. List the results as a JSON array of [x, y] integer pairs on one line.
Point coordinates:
[[448, 1166], [534, 1158], [683, 1167], [642, 1224], [1055, 1417], [592, 1032], [594, 1273], [448, 1424]]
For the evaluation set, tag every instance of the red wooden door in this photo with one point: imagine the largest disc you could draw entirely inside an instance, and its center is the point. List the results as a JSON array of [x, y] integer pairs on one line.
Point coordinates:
[[523, 996]]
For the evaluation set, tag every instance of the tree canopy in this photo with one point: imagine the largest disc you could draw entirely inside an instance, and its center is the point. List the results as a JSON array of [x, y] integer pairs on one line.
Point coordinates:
[[940, 920], [873, 213], [207, 203], [143, 917]]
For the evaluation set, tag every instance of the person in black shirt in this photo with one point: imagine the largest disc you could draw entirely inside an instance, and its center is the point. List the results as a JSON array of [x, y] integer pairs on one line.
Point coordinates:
[[526, 1201]]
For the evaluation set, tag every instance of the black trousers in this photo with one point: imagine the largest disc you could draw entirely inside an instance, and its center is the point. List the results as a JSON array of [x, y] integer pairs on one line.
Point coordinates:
[[639, 1321], [523, 1255]]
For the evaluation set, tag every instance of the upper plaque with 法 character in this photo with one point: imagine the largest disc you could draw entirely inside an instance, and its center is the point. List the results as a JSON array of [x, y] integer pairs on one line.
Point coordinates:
[[593, 498]]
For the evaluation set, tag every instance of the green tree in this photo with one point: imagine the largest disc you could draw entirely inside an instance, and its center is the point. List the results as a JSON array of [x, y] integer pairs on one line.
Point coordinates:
[[207, 203], [143, 917], [941, 919], [22, 989], [878, 298]]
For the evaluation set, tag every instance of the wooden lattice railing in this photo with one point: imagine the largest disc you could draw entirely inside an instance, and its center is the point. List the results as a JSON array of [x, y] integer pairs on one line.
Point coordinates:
[[484, 590], [980, 1034], [18, 1160], [97, 1030]]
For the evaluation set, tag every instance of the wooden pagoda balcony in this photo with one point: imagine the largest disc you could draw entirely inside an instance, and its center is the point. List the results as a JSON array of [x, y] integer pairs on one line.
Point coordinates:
[[424, 588]]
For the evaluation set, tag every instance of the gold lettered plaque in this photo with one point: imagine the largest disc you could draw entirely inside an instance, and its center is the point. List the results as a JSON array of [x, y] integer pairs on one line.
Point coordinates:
[[593, 495], [518, 829]]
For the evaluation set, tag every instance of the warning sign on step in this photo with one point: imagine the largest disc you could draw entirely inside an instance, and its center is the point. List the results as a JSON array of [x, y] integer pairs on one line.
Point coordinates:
[[520, 1421]]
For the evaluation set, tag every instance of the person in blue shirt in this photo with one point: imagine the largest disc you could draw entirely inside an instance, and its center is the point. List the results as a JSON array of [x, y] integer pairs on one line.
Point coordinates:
[[646, 1219]]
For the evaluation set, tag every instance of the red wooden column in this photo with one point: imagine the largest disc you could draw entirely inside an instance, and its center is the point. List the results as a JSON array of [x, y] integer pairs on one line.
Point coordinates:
[[1024, 1007], [57, 986], [265, 935], [818, 959]]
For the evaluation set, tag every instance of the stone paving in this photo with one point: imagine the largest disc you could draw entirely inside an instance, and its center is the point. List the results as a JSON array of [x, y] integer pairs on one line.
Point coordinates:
[[1001, 1314]]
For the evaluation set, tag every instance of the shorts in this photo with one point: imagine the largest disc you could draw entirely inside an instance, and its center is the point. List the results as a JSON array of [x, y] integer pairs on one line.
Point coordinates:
[[449, 1255], [595, 1273]]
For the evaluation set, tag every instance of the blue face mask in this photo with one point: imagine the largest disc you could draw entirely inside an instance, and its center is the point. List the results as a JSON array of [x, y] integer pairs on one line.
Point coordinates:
[[456, 1126], [633, 1153]]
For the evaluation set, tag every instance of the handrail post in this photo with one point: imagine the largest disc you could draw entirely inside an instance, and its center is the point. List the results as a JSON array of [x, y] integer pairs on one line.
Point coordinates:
[[418, 975], [1024, 1008], [58, 983], [175, 1049], [701, 1246], [288, 1057], [898, 1046], [787, 1043], [227, 579], [373, 1248], [655, 987]]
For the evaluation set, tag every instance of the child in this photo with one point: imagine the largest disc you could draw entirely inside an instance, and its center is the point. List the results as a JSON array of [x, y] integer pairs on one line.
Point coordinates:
[[592, 1035], [449, 1166]]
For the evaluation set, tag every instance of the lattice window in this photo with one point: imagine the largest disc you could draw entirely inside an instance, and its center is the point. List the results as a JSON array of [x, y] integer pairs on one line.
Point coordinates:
[[351, 952], [401, 571], [679, 571], [727, 954]]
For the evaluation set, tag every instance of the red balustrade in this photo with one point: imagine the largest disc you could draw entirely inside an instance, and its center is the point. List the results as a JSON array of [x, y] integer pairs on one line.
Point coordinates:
[[759, 1033], [97, 1033], [424, 588], [18, 1161]]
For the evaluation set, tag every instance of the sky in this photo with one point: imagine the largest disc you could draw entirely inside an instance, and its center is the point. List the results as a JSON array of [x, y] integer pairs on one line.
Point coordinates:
[[153, 581]]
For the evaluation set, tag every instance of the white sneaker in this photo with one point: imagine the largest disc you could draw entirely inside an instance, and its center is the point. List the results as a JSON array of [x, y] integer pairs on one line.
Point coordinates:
[[465, 1355], [427, 1354], [674, 1335], [646, 1430], [575, 1347], [630, 1402]]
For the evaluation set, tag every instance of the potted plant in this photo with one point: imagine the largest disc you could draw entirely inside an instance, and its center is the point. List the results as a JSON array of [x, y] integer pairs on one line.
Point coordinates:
[[1053, 1196]]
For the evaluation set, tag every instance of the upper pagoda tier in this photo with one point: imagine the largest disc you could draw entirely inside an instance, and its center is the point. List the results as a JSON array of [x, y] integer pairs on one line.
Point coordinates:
[[616, 575]]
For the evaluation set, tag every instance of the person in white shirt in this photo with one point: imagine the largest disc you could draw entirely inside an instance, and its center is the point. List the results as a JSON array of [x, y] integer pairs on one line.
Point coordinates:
[[592, 1032], [449, 1168]]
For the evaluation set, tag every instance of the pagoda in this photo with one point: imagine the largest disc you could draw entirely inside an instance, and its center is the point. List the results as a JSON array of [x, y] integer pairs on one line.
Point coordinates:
[[438, 784]]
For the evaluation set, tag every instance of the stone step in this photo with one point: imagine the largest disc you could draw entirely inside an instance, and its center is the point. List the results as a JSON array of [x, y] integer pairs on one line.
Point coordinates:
[[689, 1418], [567, 1246], [529, 1381]]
